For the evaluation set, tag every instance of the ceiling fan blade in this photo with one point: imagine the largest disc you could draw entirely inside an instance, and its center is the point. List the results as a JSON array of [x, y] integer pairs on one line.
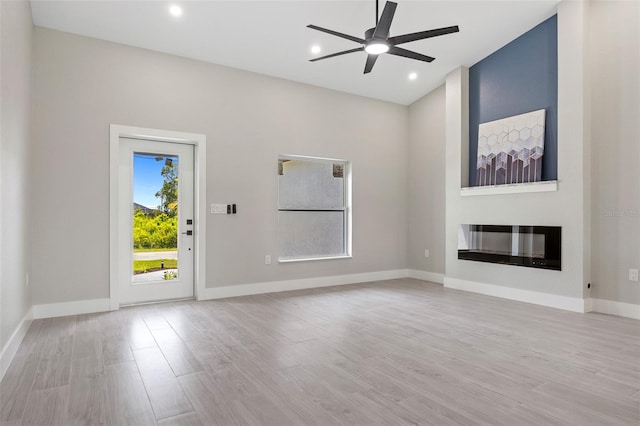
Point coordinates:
[[344, 52], [398, 51], [371, 60], [337, 34], [384, 24], [405, 38]]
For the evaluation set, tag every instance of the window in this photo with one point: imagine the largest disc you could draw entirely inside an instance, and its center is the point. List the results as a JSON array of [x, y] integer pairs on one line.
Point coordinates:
[[313, 208]]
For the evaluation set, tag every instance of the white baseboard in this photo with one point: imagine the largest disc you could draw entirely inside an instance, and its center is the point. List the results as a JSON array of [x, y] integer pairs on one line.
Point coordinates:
[[301, 284], [588, 304], [11, 347], [432, 277], [621, 309], [573, 304], [78, 307], [555, 301]]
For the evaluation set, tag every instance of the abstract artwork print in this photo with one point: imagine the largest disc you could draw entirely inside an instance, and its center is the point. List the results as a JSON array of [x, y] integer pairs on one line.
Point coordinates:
[[510, 150]]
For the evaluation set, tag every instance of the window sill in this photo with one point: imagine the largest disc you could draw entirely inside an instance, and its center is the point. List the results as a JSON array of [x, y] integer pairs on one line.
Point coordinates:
[[516, 188], [305, 259]]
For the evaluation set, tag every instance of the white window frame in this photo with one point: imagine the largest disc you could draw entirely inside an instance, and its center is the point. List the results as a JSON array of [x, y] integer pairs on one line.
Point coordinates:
[[347, 207]]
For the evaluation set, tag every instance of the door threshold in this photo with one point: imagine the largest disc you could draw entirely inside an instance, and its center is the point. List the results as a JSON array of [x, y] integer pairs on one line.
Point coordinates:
[[154, 302]]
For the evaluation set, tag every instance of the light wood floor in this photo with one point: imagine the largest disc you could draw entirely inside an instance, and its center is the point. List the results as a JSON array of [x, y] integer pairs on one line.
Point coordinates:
[[396, 352]]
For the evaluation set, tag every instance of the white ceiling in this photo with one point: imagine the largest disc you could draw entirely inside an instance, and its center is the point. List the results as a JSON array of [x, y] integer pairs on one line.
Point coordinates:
[[270, 37]]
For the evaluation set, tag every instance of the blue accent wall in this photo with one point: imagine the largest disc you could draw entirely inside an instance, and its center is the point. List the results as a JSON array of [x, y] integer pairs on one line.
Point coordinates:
[[520, 77]]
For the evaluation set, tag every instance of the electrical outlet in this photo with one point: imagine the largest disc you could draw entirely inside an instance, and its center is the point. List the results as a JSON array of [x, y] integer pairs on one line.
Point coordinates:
[[426, 253], [633, 275], [267, 259]]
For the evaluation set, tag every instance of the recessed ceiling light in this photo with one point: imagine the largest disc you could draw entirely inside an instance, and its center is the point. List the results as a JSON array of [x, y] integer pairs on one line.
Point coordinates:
[[315, 49], [413, 76], [175, 10]]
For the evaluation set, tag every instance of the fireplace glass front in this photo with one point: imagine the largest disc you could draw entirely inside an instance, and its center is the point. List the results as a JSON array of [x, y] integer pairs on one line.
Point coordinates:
[[532, 246]]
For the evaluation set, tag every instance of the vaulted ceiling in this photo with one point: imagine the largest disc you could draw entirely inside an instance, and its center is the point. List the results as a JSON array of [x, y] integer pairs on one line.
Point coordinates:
[[270, 37]]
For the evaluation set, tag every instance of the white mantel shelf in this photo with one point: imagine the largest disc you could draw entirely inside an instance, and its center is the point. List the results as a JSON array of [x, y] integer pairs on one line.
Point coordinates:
[[516, 188]]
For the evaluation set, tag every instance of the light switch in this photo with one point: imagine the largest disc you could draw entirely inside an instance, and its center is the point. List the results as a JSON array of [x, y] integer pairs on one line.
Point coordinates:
[[218, 209]]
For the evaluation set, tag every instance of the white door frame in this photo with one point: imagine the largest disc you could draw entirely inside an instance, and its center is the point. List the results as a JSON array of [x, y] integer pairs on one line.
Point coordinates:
[[199, 197]]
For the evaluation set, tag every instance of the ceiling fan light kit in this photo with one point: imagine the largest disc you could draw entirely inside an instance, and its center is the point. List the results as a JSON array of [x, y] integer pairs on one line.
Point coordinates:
[[376, 48], [376, 40]]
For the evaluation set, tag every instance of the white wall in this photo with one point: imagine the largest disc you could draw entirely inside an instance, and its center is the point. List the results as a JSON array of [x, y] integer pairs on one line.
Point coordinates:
[[426, 220], [16, 29], [81, 85], [615, 76]]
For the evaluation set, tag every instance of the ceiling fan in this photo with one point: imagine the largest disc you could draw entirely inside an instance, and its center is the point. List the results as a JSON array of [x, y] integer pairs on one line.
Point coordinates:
[[377, 41]]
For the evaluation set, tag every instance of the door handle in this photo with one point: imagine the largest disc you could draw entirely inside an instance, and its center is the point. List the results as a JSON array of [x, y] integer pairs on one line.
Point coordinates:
[[188, 233]]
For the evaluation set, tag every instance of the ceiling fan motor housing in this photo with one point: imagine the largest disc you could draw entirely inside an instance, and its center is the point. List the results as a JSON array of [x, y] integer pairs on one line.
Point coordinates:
[[369, 33], [374, 45]]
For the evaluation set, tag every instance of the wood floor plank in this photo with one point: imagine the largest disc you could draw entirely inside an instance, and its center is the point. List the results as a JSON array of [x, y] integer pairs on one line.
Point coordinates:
[[181, 359], [138, 335], [87, 344], [46, 407], [188, 419], [210, 403], [176, 352], [16, 386], [259, 410], [209, 353], [88, 398], [620, 412], [279, 389], [165, 335], [128, 400], [165, 394], [153, 318], [418, 410], [397, 352], [55, 366], [115, 349], [337, 403], [177, 318]]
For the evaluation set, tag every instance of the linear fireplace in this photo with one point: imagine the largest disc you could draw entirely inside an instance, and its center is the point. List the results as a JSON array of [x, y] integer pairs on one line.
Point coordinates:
[[532, 246]]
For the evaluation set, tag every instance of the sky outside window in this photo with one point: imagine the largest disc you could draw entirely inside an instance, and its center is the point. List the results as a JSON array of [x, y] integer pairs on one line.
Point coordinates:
[[147, 179]]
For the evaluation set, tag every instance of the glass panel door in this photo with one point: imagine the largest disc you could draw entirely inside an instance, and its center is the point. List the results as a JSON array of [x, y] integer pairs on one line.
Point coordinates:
[[156, 241]]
